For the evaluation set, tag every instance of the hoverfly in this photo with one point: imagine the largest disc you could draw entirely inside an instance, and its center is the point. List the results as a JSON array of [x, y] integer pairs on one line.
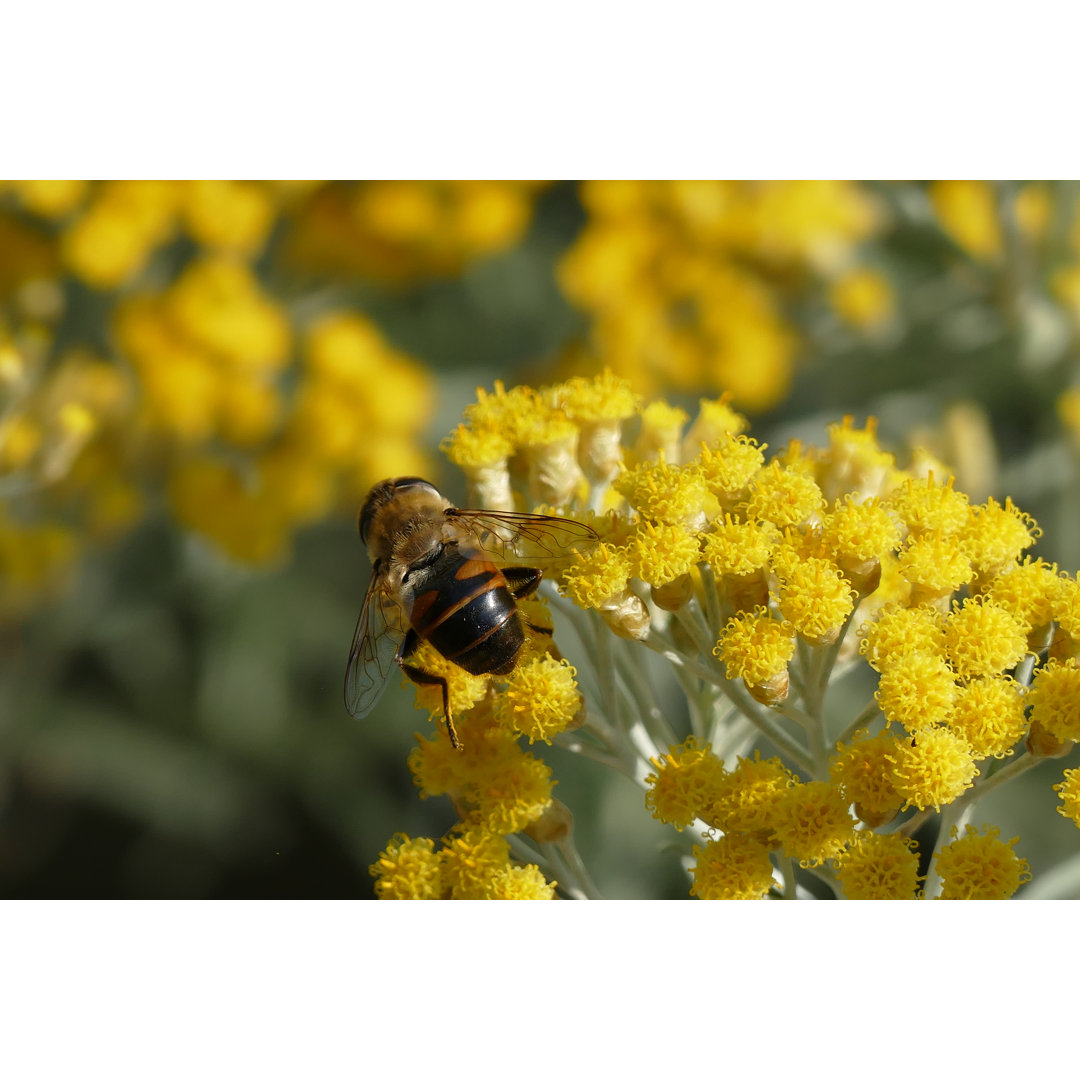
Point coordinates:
[[434, 580]]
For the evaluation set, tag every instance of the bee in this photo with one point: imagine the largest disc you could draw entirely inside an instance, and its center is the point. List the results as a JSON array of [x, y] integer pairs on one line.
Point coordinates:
[[434, 580]]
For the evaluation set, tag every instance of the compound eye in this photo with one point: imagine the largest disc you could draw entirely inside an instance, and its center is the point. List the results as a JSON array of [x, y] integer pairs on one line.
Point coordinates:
[[411, 483]]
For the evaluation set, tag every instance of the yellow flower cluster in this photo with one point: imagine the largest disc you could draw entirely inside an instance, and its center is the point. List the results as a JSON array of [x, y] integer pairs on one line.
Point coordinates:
[[257, 419], [746, 574], [471, 865], [686, 280]]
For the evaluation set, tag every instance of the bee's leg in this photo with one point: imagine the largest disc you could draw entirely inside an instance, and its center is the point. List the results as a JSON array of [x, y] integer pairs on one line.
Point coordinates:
[[421, 677]]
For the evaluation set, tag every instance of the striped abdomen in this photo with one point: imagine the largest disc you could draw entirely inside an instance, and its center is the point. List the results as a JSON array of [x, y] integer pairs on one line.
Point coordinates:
[[468, 613]]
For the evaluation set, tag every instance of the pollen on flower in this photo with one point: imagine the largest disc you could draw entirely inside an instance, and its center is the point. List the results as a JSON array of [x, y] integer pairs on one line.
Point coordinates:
[[812, 823], [747, 796], [521, 883], [998, 535], [926, 506], [1069, 793], [729, 465], [408, 870], [879, 867], [1027, 590], [983, 639], [935, 565], [541, 698], [859, 532], [1054, 698], [473, 860], [673, 494], [755, 647], [980, 866], [597, 575], [739, 547], [815, 598], [660, 553], [784, 496], [509, 792], [733, 867], [932, 768], [917, 690], [684, 784], [989, 713], [899, 631], [863, 771]]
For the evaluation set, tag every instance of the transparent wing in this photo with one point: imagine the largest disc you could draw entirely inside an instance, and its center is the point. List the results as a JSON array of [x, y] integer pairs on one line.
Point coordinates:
[[526, 537], [379, 631]]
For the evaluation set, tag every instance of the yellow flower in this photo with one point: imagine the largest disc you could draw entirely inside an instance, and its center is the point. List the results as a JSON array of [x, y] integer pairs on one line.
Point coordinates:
[[684, 784], [998, 535], [935, 565], [932, 768], [926, 506], [520, 883], [673, 494], [540, 699], [1054, 698], [597, 575], [51, 198], [728, 465], [474, 862], [748, 795], [983, 639], [739, 547], [899, 631], [989, 713], [1069, 793], [859, 533], [734, 867], [661, 553], [967, 211], [815, 598], [228, 215], [879, 867], [786, 498], [408, 870], [853, 463], [812, 823], [863, 298], [757, 649], [864, 771], [917, 690], [980, 867], [1027, 590]]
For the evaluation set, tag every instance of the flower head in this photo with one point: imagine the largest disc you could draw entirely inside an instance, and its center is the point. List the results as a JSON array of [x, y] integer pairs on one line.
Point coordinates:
[[1054, 698], [812, 823], [980, 866], [541, 698], [863, 772], [408, 870], [932, 768], [983, 639], [879, 867], [733, 867], [684, 784], [1069, 793]]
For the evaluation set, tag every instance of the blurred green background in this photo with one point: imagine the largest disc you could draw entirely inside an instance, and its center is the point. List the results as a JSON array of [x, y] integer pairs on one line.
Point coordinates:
[[200, 380]]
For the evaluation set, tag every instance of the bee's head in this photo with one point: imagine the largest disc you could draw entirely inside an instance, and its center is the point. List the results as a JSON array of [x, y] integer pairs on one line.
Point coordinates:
[[385, 492]]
